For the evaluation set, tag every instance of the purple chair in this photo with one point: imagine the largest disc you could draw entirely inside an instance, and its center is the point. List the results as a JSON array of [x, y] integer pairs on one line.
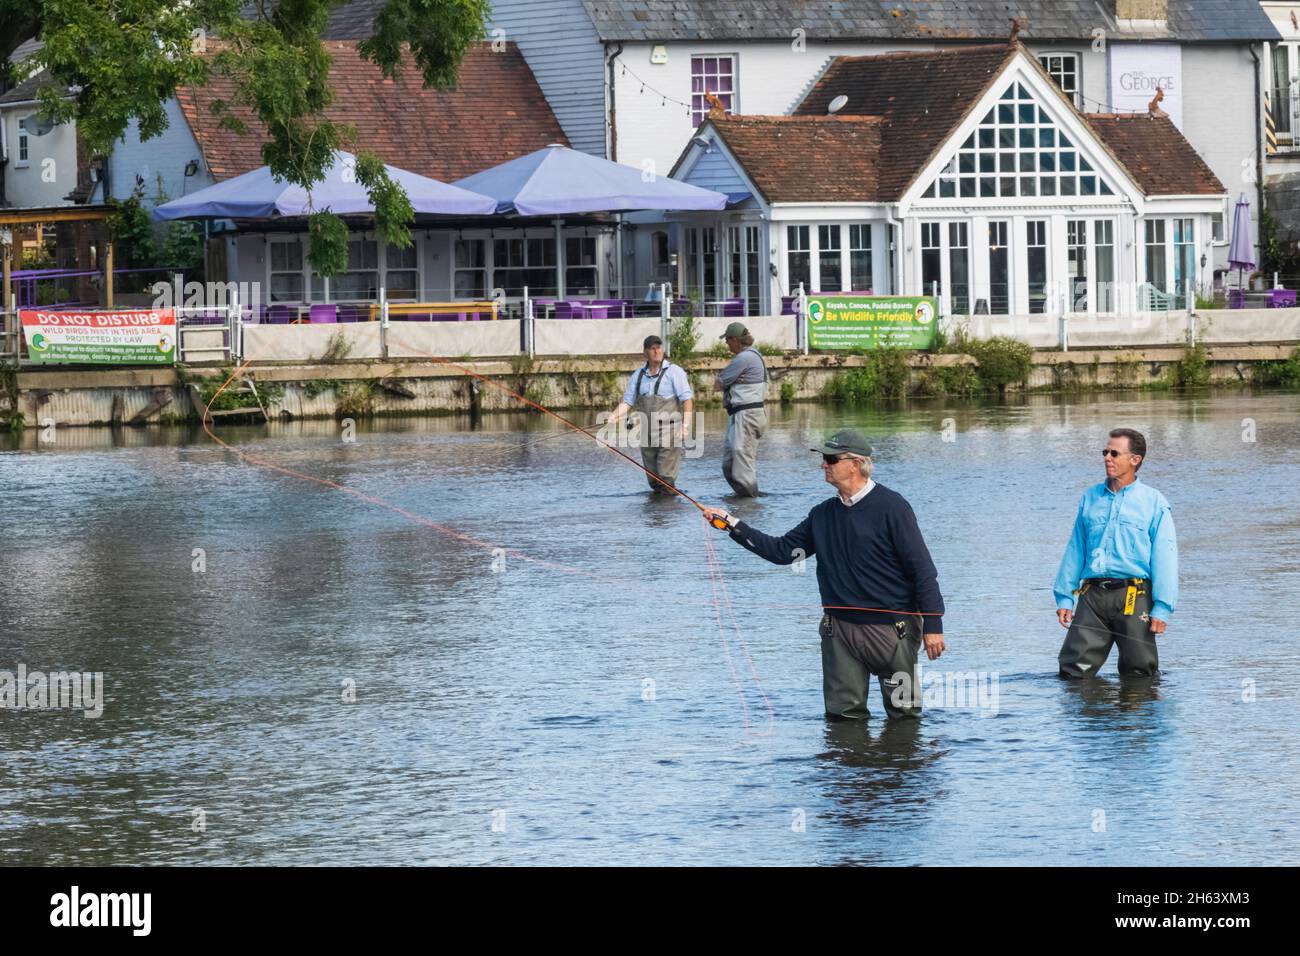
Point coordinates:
[[787, 304], [1281, 298], [613, 306], [280, 314], [563, 310], [323, 313], [733, 308]]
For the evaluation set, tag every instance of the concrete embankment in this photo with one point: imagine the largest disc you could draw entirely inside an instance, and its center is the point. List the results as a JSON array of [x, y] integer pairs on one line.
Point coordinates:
[[68, 397]]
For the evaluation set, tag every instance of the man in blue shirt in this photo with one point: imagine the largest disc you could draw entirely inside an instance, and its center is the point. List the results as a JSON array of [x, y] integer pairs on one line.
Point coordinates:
[[1122, 563], [660, 394]]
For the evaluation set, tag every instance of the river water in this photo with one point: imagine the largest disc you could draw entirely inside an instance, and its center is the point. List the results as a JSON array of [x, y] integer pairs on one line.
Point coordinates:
[[528, 666]]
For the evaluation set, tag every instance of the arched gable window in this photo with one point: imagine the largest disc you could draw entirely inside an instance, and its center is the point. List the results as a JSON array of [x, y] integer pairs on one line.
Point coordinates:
[[1017, 151]]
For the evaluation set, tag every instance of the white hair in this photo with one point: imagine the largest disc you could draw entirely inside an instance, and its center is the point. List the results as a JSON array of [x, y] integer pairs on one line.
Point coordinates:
[[864, 466]]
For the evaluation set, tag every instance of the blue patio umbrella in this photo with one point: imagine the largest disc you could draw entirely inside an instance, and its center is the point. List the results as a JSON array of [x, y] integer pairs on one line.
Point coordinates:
[[558, 181], [260, 195], [1241, 254]]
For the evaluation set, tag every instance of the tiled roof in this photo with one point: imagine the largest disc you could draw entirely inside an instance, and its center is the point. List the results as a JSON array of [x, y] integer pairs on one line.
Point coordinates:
[[25, 91], [920, 98], [1156, 154], [643, 20], [495, 113], [902, 108], [806, 158]]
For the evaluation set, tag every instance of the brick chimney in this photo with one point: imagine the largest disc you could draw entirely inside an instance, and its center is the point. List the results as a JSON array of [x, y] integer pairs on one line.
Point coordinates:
[[1142, 11]]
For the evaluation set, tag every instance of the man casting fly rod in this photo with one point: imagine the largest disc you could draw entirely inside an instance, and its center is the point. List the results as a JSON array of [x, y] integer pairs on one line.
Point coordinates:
[[879, 588]]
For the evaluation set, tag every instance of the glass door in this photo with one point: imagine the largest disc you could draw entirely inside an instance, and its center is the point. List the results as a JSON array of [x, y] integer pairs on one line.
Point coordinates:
[[1036, 247], [999, 268]]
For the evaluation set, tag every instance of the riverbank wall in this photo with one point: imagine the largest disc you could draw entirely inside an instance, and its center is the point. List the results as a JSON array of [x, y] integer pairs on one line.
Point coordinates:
[[307, 390]]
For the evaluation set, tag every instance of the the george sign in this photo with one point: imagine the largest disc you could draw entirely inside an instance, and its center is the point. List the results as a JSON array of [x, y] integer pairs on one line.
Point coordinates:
[[124, 337], [1138, 69], [871, 321]]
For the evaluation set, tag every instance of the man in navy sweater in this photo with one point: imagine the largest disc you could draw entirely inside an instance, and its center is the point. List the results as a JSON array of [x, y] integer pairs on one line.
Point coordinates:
[[879, 588]]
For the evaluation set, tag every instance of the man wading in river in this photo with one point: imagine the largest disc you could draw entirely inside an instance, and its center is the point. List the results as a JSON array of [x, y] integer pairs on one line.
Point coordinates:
[[1122, 562], [743, 384], [870, 554], [661, 395]]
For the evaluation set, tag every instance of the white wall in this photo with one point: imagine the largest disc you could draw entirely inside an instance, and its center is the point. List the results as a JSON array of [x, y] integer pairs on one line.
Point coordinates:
[[770, 77], [1219, 120], [51, 169], [592, 336]]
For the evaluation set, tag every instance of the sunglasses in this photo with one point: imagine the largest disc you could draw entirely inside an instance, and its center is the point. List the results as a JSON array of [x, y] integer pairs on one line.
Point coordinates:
[[833, 459], [1111, 453]]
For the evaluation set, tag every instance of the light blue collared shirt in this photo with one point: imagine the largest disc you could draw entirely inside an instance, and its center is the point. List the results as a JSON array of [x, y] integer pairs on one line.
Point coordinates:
[[675, 385], [1124, 534]]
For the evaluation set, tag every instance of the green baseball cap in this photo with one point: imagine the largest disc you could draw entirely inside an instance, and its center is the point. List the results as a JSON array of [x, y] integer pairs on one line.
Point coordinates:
[[734, 331], [846, 441]]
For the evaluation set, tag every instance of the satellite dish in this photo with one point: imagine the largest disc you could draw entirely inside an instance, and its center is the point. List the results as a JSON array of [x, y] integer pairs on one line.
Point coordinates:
[[837, 104], [39, 125]]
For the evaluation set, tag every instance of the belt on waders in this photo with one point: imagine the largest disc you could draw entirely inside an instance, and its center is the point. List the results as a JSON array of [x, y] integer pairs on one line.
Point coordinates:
[[1109, 584], [741, 408]]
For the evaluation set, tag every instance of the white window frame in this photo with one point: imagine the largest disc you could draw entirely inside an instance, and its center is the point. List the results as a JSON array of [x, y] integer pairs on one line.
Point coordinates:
[[1286, 141], [869, 249], [494, 283], [304, 270], [417, 249], [1171, 230], [787, 276], [23, 156], [1091, 263], [1009, 224], [1225, 224], [1032, 142], [484, 270], [837, 231], [734, 93], [1075, 95], [745, 240], [1167, 243], [694, 236]]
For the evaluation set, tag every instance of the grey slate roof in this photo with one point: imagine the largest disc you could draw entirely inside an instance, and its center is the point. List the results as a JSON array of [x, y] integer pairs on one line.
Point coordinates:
[[656, 20], [350, 20], [26, 90]]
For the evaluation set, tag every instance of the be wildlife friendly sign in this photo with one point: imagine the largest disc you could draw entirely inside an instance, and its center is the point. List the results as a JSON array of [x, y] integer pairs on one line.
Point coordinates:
[[124, 337], [871, 322]]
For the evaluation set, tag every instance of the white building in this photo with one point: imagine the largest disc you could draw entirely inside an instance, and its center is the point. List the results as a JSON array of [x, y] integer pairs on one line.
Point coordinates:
[[965, 172], [627, 77]]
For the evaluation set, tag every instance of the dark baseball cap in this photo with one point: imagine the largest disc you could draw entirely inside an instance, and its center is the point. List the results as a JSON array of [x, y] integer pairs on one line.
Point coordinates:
[[735, 330], [846, 441], [651, 340]]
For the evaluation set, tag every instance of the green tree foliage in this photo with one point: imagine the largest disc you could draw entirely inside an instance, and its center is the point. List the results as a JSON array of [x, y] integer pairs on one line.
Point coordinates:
[[132, 232], [124, 59]]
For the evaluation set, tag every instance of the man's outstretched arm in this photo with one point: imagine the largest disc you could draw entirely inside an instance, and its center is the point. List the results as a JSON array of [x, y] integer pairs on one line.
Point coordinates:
[[788, 548]]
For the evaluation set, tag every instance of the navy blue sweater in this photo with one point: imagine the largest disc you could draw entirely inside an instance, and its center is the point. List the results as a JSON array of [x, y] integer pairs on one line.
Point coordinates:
[[871, 555]]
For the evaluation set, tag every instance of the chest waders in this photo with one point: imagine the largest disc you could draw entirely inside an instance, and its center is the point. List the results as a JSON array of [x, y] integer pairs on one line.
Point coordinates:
[[746, 422], [660, 415], [1111, 612]]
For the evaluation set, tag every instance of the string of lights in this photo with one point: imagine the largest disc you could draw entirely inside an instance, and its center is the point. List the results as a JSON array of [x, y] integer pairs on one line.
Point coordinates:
[[1107, 107], [664, 98]]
